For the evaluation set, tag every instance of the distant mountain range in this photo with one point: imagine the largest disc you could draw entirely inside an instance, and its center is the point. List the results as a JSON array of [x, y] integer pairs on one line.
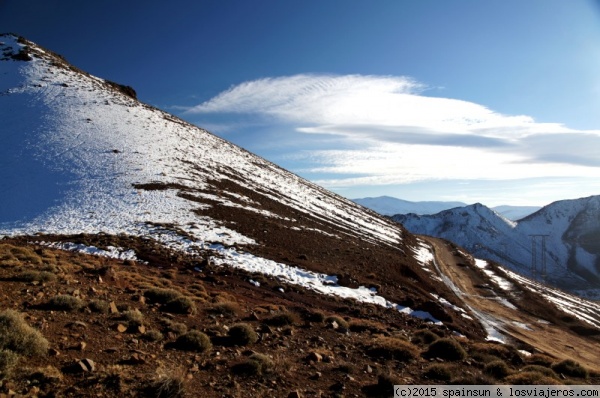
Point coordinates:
[[563, 237], [390, 206]]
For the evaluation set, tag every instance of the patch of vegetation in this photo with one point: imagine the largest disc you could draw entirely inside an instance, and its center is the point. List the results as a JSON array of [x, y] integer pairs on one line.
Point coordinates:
[[541, 369], [285, 318], [392, 348], [194, 341], [532, 377], [8, 361], [99, 306], [363, 325], [17, 336], [181, 305], [447, 349], [11, 256], [161, 296], [242, 334], [153, 335], [255, 365], [341, 322], [226, 308], [35, 276], [570, 368], [424, 337], [64, 302], [167, 386], [540, 359], [497, 369], [440, 372], [177, 328]]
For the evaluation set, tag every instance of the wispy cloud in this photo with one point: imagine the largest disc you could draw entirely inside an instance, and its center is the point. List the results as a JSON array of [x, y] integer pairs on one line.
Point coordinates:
[[394, 133]]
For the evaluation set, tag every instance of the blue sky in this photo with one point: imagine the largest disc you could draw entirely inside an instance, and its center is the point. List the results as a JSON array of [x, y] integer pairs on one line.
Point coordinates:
[[490, 101]]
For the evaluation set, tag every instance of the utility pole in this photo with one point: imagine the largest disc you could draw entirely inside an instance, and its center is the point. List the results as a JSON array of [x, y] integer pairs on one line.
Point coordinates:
[[534, 256]]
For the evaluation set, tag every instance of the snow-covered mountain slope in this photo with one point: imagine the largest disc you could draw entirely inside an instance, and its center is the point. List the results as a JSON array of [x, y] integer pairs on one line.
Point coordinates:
[[81, 155], [389, 206], [562, 236]]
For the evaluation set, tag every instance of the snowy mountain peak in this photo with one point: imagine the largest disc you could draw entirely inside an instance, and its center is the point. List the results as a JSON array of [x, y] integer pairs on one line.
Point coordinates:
[[562, 237]]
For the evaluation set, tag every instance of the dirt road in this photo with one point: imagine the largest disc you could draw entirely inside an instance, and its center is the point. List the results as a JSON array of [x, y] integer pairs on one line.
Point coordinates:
[[492, 307]]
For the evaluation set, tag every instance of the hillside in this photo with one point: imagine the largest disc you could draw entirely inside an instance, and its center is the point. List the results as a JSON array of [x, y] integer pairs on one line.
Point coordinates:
[[565, 231], [135, 243]]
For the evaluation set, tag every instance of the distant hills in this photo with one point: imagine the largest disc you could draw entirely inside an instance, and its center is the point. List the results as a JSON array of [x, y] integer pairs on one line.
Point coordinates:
[[563, 236], [390, 206]]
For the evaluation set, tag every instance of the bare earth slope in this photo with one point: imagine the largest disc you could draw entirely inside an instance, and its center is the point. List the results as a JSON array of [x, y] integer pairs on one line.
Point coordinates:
[[525, 322]]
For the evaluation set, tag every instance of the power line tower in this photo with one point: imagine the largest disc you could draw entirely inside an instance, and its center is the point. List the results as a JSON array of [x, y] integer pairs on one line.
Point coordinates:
[[534, 256]]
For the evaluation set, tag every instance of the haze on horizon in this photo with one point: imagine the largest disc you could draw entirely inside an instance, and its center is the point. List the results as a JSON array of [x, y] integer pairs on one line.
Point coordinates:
[[493, 102]]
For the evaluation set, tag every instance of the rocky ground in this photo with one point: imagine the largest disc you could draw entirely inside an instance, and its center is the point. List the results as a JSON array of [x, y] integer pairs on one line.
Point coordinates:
[[104, 327]]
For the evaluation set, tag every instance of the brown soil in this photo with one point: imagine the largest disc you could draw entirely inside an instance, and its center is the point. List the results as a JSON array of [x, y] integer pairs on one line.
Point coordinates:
[[309, 356]]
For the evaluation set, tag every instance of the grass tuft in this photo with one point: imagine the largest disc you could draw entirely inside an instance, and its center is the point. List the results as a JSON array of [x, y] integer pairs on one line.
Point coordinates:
[[242, 334], [17, 336], [194, 341], [447, 349]]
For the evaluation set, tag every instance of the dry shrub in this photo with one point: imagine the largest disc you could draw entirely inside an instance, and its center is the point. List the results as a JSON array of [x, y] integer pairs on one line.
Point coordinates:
[[540, 369], [570, 368], [447, 349], [35, 276], [341, 322], [177, 328], [8, 361], [194, 341], [181, 305], [226, 308], [167, 385], [17, 336], [497, 369], [424, 337], [64, 302], [242, 334], [392, 348], [11, 255], [441, 371], [161, 296], [541, 359], [99, 306], [285, 318], [531, 377], [363, 325], [255, 365]]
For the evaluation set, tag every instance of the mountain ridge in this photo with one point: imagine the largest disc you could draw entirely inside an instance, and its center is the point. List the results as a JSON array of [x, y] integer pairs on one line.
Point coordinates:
[[389, 206], [563, 231]]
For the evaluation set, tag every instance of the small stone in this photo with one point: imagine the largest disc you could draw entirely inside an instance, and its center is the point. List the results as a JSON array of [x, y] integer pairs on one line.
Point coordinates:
[[315, 357], [369, 369], [53, 352], [141, 329], [121, 328], [87, 365], [113, 308], [81, 346]]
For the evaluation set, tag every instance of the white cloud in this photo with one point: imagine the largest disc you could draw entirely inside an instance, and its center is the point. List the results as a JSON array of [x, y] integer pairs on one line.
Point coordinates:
[[396, 134]]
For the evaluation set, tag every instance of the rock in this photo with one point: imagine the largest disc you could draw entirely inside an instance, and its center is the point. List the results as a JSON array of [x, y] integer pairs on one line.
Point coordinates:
[[113, 308], [53, 352], [81, 346], [86, 365], [369, 369], [121, 328], [315, 357], [333, 325], [294, 394]]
